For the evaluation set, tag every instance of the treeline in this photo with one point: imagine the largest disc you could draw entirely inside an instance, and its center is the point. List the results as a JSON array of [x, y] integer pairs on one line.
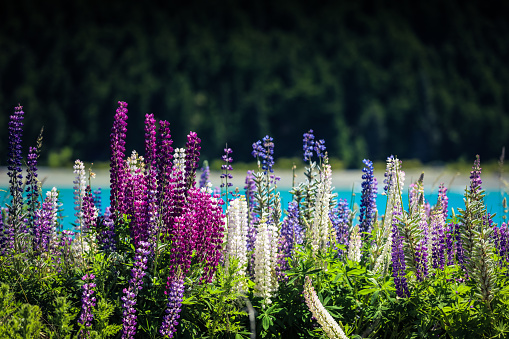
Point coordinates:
[[424, 80]]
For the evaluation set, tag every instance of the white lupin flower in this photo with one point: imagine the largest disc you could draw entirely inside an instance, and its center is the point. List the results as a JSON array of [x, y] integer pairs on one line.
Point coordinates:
[[52, 196], [355, 244], [265, 261], [320, 231], [135, 163], [179, 162], [326, 321], [236, 245], [80, 185]]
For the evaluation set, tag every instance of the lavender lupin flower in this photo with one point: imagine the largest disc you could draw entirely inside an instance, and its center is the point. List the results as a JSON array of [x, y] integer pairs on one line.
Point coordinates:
[[368, 199], [130, 293], [443, 200], [173, 307], [87, 304]]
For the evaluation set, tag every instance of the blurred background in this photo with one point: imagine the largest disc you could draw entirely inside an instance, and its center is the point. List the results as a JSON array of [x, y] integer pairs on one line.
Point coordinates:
[[424, 80]]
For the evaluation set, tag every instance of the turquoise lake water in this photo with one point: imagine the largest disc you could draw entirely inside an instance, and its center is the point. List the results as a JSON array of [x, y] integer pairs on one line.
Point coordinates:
[[493, 202]]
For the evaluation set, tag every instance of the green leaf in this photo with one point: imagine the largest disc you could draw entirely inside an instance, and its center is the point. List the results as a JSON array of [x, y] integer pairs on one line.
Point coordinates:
[[367, 291]]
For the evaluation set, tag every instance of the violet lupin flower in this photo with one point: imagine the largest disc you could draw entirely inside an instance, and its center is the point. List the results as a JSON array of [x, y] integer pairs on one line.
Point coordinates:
[[118, 170], [130, 293], [368, 198], [173, 307], [290, 236], [308, 145], [339, 218], [398, 260], [87, 304], [263, 151], [14, 168], [320, 148]]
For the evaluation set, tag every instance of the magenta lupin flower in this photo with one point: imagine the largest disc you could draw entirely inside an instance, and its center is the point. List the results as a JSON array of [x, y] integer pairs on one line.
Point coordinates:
[[118, 170], [173, 307], [192, 158]]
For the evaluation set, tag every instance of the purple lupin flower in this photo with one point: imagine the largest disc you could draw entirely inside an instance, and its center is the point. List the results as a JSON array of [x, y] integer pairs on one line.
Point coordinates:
[[173, 307], [443, 200], [166, 183], [339, 217], [151, 177], [32, 185], [88, 210], [135, 285], [118, 170], [308, 145], [449, 241], [250, 190], [503, 244], [44, 223], [106, 238], [438, 238], [398, 260], [96, 194], [226, 168], [192, 158], [205, 175], [290, 236], [368, 199], [14, 169], [87, 304], [475, 176]]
